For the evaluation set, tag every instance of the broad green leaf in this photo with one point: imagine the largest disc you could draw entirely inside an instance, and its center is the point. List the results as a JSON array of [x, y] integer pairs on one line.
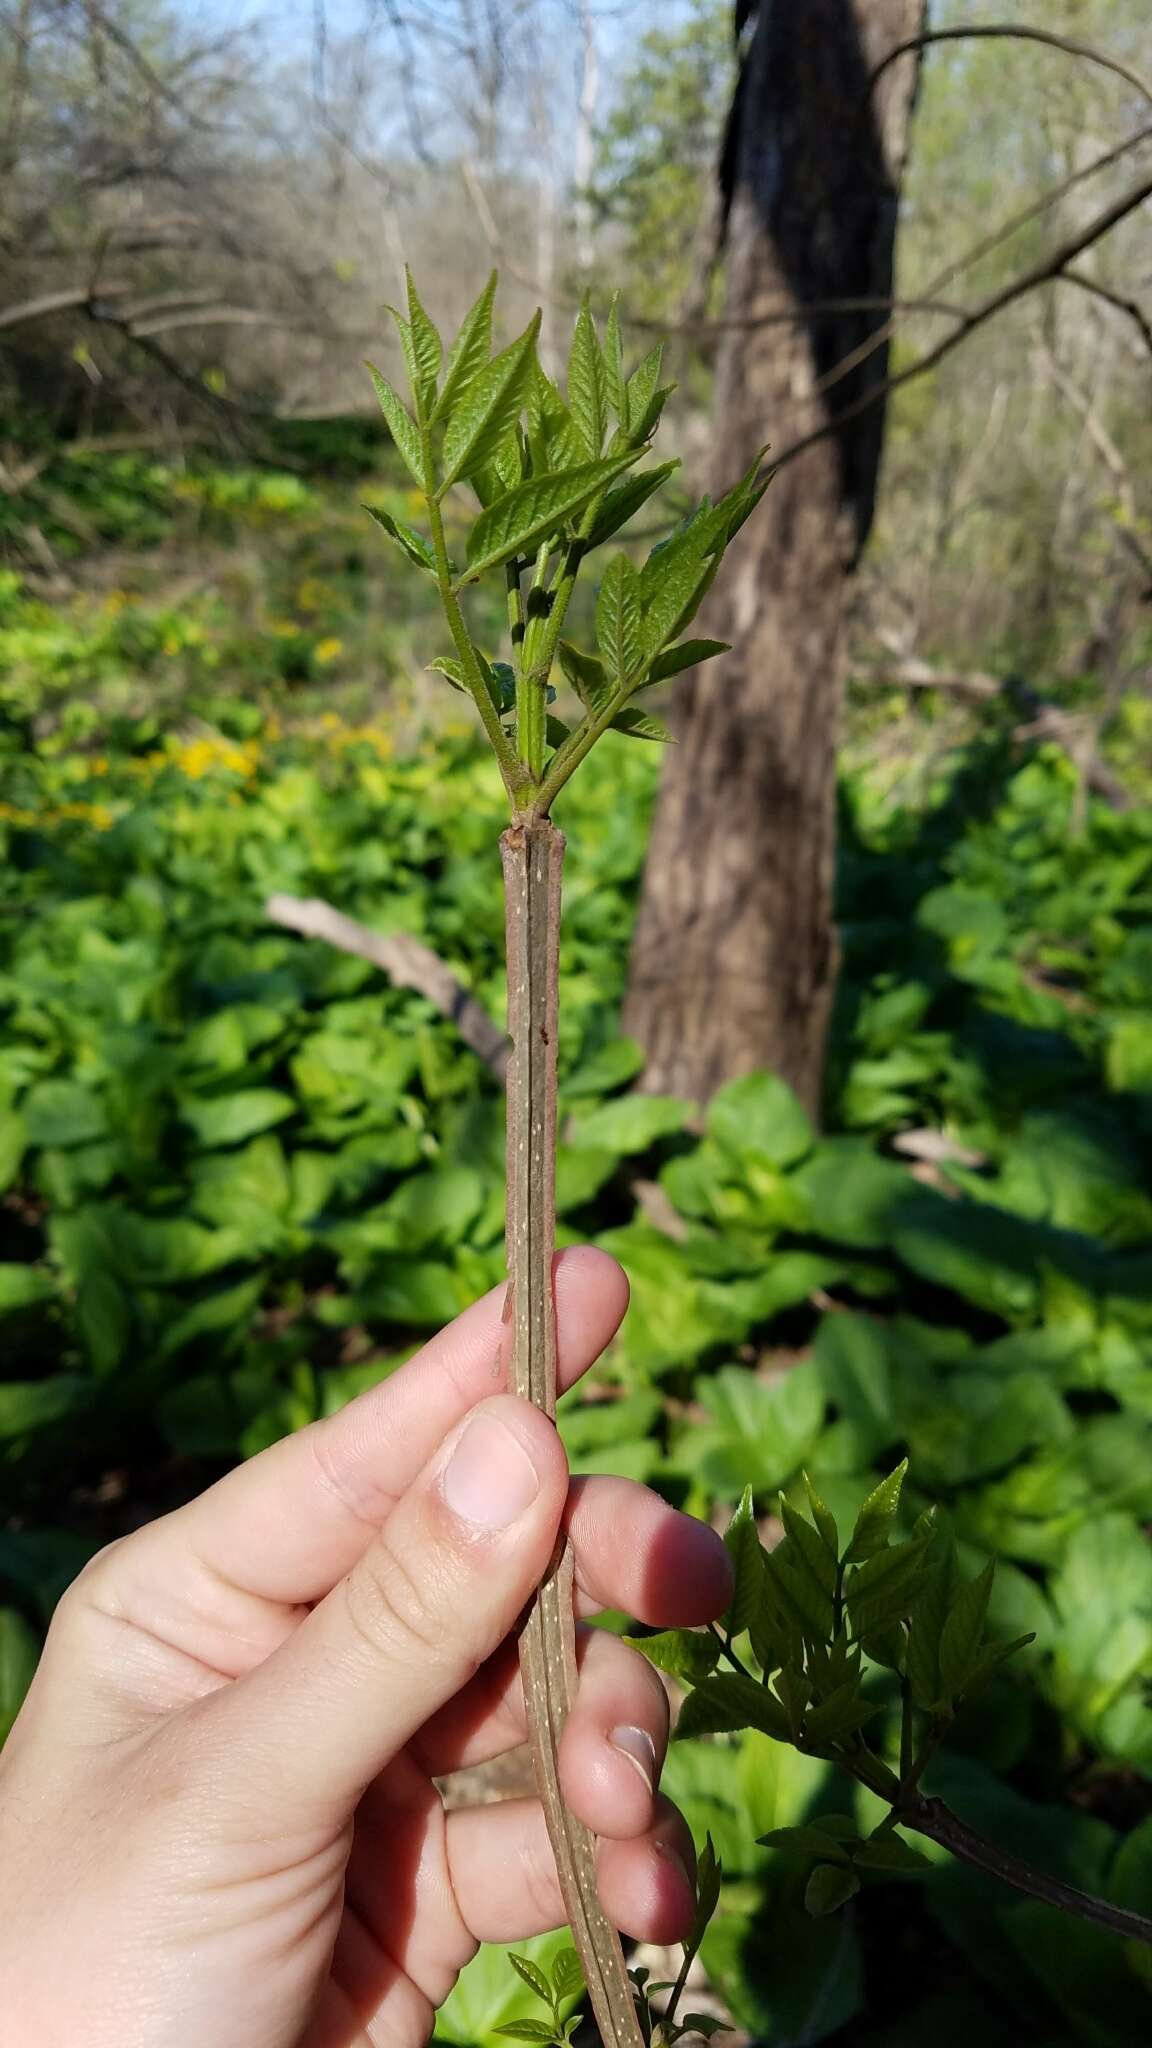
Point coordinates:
[[685, 1653], [401, 425], [514, 524], [829, 1888], [525, 2030], [614, 381], [532, 1975], [103, 1318], [689, 654], [22, 1287], [469, 352], [806, 1841], [722, 1705], [488, 408], [619, 621], [759, 1118], [632, 1124], [19, 1655], [640, 725], [742, 1542], [624, 501], [63, 1113], [852, 1360], [229, 1119], [874, 1522], [889, 1851], [587, 397], [29, 1405], [963, 1631], [426, 347], [587, 675], [413, 544]]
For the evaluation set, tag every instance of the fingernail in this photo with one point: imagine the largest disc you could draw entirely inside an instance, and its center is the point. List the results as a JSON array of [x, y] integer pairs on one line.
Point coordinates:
[[637, 1745], [489, 1480]]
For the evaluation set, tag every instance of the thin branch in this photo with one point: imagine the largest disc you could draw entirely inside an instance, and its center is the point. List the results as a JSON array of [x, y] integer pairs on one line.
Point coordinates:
[[406, 962], [988, 245], [932, 1818], [1070, 47], [1134, 311], [1041, 273]]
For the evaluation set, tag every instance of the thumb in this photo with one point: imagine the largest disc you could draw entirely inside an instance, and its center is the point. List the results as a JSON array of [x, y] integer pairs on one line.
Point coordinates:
[[435, 1592]]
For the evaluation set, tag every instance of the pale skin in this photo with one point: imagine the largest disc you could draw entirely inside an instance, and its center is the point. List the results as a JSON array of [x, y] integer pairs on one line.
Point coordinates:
[[218, 1821]]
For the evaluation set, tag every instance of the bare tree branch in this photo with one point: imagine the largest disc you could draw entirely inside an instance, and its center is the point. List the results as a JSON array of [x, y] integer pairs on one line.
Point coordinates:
[[1015, 33], [1131, 307], [1052, 267], [988, 244]]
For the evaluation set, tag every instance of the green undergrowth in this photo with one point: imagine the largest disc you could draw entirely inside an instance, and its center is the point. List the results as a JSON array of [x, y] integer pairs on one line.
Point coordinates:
[[242, 1176]]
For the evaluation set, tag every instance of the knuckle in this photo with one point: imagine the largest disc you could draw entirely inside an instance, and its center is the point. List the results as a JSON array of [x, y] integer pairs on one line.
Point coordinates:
[[390, 1611]]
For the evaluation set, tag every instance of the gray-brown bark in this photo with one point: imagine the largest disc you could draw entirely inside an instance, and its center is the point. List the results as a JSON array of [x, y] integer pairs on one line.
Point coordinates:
[[734, 959]]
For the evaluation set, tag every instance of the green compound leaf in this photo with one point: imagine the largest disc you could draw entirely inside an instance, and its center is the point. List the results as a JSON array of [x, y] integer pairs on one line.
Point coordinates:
[[742, 1542], [587, 394], [963, 1631], [875, 1519], [401, 425], [643, 382], [884, 1588], [640, 725], [687, 655], [486, 412], [414, 545], [469, 352], [533, 1976], [824, 1519], [567, 1976], [730, 1702], [513, 524], [806, 1841], [685, 1653], [525, 2030], [587, 675], [623, 503], [829, 1887], [426, 348], [619, 620], [614, 380]]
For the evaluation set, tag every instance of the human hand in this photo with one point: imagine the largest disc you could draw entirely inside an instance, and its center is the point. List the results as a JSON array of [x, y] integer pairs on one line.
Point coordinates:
[[218, 1821]]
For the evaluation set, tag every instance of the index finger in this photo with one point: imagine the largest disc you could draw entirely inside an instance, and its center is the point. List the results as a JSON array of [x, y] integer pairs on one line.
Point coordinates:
[[294, 1519]]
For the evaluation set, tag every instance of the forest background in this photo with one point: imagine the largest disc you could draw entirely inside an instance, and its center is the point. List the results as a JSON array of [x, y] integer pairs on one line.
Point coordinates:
[[243, 1170]]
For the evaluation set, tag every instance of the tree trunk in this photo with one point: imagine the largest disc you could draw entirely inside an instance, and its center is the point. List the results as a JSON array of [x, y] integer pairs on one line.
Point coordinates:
[[734, 959]]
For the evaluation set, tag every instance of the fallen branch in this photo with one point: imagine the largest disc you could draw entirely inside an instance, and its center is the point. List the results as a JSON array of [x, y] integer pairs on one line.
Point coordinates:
[[406, 962], [1042, 720]]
